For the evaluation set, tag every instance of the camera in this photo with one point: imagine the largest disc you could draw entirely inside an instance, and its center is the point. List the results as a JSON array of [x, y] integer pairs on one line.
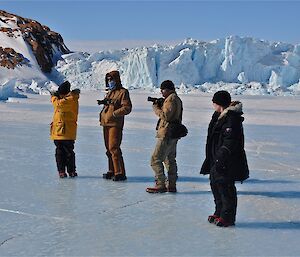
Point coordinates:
[[105, 101], [158, 101]]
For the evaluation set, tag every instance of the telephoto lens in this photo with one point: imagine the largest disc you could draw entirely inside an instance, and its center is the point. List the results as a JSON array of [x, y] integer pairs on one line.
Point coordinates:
[[151, 99], [158, 101]]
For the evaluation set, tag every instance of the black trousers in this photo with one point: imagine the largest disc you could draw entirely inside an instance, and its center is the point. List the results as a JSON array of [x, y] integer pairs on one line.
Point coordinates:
[[225, 198], [65, 155]]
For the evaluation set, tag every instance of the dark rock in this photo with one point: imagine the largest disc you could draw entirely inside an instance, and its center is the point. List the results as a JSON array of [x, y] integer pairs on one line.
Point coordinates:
[[9, 58], [46, 45]]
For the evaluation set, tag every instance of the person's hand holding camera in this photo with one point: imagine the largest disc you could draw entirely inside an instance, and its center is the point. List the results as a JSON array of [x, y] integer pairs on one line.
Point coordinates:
[[54, 93], [105, 101]]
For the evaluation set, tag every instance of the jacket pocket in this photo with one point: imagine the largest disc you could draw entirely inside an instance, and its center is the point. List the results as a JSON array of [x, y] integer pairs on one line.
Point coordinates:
[[59, 129]]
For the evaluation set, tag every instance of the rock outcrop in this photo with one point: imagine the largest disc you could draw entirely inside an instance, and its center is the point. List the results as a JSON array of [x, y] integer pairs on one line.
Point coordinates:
[[47, 46], [9, 58]]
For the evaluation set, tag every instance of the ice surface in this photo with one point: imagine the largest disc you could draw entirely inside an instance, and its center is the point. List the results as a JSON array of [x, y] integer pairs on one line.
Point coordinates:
[[42, 215]]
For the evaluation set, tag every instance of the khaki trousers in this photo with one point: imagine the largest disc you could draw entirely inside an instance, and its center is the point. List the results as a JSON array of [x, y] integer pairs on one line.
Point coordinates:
[[165, 154], [112, 140]]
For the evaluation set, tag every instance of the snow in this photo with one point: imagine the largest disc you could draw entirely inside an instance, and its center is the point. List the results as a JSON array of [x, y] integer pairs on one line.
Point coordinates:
[[42, 215]]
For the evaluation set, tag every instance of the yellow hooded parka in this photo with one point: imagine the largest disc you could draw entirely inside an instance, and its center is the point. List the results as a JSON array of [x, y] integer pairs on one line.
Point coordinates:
[[64, 122]]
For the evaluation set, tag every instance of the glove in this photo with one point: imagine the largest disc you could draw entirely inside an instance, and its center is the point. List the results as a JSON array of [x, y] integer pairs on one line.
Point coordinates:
[[76, 91], [54, 93], [220, 166], [221, 158], [105, 101], [159, 102]]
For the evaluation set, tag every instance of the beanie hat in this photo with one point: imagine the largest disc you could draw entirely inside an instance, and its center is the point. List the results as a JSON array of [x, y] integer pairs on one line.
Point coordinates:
[[167, 84], [64, 88], [222, 98]]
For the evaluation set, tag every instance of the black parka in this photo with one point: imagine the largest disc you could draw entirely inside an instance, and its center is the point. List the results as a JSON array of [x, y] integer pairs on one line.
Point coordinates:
[[225, 155]]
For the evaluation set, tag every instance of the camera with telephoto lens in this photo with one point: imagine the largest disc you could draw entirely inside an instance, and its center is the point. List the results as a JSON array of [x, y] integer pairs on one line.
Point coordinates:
[[105, 101], [158, 101]]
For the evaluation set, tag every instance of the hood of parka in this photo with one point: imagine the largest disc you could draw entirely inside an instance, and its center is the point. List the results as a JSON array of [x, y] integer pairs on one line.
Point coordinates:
[[116, 77], [235, 106]]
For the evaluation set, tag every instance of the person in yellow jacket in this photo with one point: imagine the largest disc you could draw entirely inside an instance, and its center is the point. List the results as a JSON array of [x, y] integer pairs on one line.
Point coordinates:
[[117, 104], [64, 127], [169, 111]]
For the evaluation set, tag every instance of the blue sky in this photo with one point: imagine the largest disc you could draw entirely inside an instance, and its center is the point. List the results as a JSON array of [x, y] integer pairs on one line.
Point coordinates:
[[163, 20]]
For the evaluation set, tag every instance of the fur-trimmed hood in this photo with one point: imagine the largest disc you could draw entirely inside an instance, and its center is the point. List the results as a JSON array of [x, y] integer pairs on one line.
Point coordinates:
[[116, 77], [235, 106]]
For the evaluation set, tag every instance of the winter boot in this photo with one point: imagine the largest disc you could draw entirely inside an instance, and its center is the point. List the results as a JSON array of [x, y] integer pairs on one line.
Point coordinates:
[[108, 175], [157, 188], [212, 218], [73, 174], [119, 177], [172, 189], [220, 222], [171, 186], [62, 174]]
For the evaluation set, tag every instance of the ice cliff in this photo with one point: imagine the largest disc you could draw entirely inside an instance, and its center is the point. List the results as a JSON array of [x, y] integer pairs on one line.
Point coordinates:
[[256, 66], [35, 59]]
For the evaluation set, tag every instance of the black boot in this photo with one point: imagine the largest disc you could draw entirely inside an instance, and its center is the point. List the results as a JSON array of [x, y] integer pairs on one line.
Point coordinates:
[[119, 177], [62, 174], [108, 175], [73, 174], [212, 218]]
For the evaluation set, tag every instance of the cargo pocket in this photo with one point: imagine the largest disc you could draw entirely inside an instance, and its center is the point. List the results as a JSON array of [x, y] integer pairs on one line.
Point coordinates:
[[59, 129]]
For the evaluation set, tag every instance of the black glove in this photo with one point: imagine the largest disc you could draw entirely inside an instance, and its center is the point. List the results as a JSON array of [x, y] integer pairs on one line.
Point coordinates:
[[222, 156], [54, 93], [159, 102], [220, 166], [105, 101], [76, 91]]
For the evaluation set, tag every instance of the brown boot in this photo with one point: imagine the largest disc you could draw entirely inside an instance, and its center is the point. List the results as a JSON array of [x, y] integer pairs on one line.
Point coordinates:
[[156, 189]]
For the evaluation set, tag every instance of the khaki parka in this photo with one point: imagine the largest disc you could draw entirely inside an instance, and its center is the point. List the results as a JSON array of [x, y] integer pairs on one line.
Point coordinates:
[[112, 115], [171, 111], [64, 122]]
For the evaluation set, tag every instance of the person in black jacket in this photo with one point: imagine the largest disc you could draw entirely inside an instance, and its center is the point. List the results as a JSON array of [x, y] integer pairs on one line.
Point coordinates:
[[225, 160]]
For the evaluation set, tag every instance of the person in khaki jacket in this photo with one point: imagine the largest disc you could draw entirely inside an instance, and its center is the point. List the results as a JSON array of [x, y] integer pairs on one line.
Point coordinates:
[[117, 104], [64, 127], [165, 150]]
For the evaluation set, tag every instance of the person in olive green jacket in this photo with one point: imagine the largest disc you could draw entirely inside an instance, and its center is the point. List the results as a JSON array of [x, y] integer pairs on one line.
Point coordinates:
[[64, 127], [165, 150], [117, 104]]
